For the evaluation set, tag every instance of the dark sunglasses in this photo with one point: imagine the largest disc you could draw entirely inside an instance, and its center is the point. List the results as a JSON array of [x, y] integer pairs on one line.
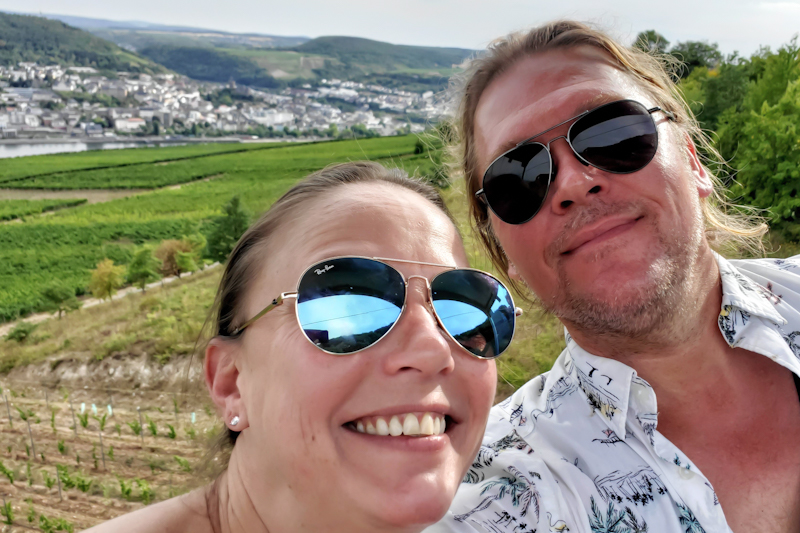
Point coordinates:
[[347, 304], [619, 137]]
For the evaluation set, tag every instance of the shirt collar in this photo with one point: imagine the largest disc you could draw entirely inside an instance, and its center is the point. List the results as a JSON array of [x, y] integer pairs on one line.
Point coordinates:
[[742, 292]]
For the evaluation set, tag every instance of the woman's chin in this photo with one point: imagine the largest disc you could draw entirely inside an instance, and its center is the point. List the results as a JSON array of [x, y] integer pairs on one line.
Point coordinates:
[[418, 507]]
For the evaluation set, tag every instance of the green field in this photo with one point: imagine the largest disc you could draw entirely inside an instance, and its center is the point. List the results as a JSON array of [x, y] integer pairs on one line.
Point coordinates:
[[66, 245], [17, 168]]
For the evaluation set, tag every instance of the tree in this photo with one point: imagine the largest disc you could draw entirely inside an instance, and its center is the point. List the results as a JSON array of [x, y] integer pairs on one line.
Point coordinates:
[[651, 42], [185, 261], [143, 268], [227, 229], [695, 54], [60, 298], [106, 279], [769, 158], [179, 256]]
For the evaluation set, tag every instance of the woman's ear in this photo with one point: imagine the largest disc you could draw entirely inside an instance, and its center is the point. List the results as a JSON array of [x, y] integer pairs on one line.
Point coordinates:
[[221, 376]]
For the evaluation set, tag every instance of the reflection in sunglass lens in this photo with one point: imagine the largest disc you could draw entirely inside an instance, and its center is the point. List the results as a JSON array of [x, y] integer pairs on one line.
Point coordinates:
[[345, 305], [619, 137], [516, 184], [476, 310]]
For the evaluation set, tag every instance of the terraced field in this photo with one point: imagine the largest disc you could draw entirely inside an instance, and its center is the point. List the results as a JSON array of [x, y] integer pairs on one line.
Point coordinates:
[[67, 244]]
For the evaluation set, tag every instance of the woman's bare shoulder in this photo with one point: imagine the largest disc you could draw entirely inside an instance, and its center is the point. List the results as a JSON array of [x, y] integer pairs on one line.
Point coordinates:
[[182, 513]]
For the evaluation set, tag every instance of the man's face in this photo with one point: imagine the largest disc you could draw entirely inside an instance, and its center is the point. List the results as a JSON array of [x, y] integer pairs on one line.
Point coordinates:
[[607, 252]]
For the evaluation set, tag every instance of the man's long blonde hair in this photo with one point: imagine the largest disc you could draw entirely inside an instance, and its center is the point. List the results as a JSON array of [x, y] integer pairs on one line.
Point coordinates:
[[732, 228]]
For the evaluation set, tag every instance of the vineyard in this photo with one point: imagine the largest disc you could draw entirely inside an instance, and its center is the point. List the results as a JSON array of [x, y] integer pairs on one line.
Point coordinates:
[[68, 243], [70, 459]]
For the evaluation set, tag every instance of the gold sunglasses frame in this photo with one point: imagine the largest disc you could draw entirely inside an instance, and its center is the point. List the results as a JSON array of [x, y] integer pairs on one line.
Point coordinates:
[[385, 260]]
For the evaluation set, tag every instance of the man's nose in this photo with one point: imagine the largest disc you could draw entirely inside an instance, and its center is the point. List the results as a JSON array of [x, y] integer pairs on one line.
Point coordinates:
[[574, 183]]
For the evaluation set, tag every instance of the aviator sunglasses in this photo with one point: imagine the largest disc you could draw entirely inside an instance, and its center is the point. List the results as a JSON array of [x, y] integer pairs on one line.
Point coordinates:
[[619, 137], [347, 304]]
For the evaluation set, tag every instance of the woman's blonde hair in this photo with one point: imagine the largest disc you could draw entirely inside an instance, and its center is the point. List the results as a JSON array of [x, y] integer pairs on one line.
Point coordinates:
[[729, 227]]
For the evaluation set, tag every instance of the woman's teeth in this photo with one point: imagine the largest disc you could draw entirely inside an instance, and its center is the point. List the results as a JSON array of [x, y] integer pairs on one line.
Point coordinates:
[[412, 425]]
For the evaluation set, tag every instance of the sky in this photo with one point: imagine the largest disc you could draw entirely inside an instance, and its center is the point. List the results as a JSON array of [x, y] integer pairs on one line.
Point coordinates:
[[736, 25]]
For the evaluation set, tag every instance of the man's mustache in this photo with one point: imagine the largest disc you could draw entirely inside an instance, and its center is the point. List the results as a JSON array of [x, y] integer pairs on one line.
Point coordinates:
[[586, 216]]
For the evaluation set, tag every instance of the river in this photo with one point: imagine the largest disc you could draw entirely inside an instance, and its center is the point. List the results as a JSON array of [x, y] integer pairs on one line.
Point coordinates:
[[19, 148]]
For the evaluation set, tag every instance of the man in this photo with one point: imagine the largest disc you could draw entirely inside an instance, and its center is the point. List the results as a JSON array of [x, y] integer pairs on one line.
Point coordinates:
[[674, 406]]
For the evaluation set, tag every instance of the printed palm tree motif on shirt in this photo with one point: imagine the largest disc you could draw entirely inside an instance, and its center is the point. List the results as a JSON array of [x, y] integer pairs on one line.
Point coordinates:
[[678, 462], [561, 389], [612, 521], [649, 422], [611, 437], [792, 340], [633, 523], [487, 454], [729, 320], [639, 487], [520, 487], [688, 521]]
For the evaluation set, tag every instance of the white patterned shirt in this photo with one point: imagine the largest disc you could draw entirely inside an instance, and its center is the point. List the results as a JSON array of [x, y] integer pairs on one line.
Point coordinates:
[[577, 449]]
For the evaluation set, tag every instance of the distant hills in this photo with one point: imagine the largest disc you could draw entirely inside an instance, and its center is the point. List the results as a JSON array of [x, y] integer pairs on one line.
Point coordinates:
[[265, 60], [45, 41]]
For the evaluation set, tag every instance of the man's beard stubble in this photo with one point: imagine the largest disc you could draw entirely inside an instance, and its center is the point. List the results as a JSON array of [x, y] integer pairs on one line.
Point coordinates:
[[647, 312]]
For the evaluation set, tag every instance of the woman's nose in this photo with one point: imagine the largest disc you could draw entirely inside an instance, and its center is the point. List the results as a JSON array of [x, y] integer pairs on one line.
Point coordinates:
[[419, 344]]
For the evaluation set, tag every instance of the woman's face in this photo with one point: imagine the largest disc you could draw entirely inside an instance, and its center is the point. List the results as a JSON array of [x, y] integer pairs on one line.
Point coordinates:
[[303, 405]]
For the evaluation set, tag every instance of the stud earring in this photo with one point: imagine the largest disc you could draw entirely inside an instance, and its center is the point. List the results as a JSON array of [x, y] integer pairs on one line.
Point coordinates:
[[235, 421]]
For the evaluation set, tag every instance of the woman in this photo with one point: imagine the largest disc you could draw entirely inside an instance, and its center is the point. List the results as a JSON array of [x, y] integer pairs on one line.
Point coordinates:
[[357, 398]]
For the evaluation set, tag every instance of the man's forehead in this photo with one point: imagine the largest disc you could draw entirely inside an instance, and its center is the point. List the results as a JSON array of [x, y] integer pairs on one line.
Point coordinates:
[[542, 90]]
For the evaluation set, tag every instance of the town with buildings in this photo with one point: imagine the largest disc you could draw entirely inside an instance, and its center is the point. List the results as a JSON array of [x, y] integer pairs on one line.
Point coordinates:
[[55, 102]]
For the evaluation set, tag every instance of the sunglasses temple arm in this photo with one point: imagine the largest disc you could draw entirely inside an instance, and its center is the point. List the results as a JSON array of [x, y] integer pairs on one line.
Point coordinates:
[[273, 304]]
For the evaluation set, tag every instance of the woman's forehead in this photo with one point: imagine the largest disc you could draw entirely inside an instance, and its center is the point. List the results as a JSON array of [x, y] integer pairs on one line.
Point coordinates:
[[371, 220]]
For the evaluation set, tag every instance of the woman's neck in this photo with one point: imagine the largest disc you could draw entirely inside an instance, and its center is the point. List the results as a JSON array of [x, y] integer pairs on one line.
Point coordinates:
[[230, 506]]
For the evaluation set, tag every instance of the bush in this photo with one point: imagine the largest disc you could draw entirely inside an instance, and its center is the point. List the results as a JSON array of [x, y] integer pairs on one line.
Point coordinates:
[[21, 332], [106, 279]]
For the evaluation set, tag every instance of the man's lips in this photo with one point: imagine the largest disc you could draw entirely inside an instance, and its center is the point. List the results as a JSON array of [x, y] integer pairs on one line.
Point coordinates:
[[596, 233]]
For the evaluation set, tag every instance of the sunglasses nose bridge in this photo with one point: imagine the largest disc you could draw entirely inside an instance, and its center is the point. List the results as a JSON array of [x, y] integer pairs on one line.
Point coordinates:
[[428, 293]]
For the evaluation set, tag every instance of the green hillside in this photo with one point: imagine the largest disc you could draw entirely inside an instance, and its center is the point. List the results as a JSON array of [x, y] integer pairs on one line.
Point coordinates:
[[45, 41], [350, 58], [137, 39], [210, 64], [377, 56]]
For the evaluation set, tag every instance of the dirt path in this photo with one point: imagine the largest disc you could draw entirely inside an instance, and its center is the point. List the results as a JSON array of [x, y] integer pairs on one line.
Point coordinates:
[[93, 196], [91, 302]]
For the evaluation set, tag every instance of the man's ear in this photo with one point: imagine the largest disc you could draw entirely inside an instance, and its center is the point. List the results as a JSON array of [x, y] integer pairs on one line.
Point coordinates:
[[221, 376], [705, 186]]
